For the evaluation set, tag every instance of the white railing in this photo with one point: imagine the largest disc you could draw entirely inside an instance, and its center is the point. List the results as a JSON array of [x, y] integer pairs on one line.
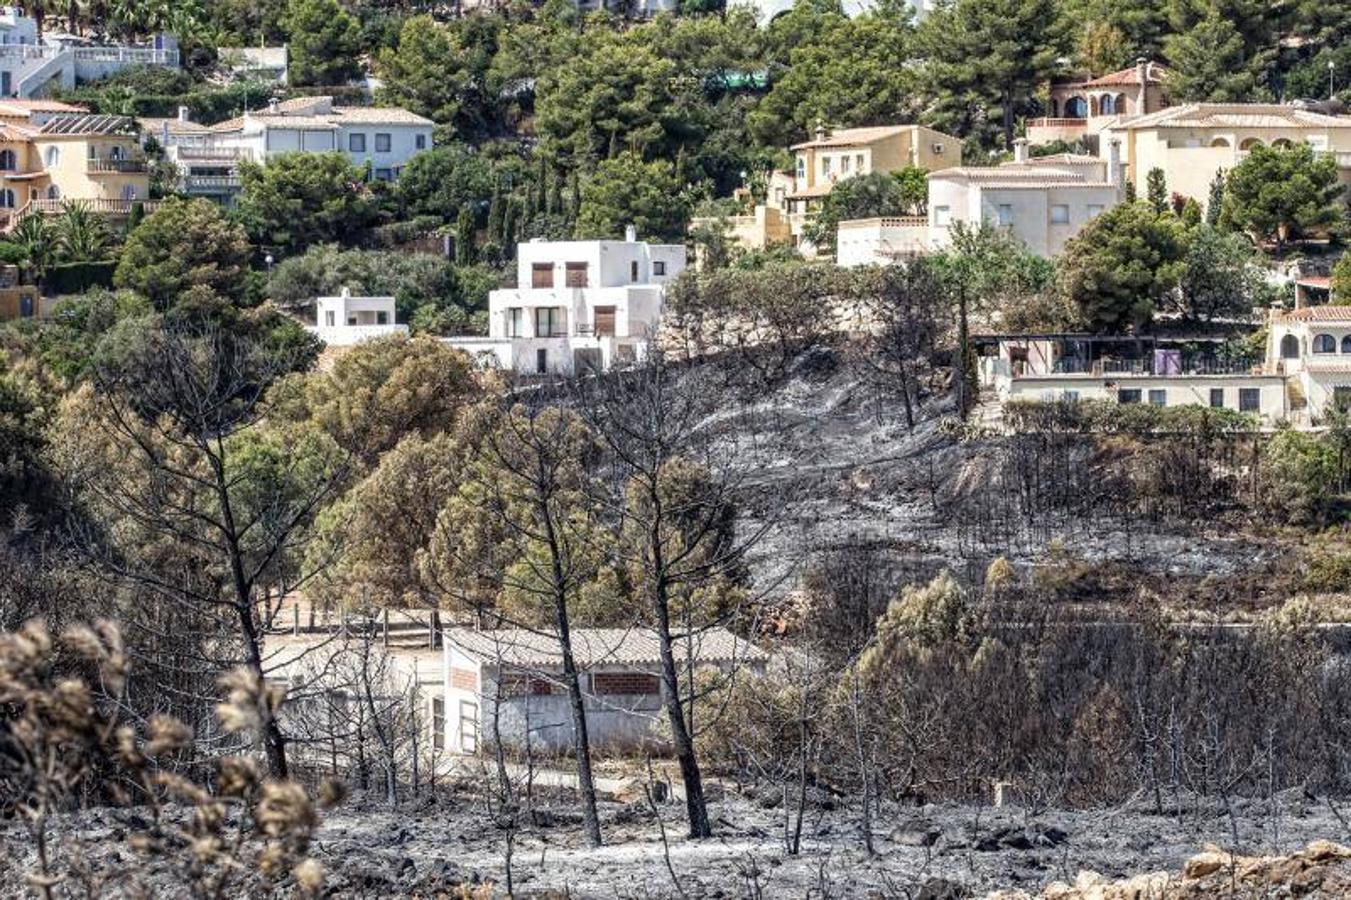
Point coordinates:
[[347, 335], [135, 55], [211, 184]]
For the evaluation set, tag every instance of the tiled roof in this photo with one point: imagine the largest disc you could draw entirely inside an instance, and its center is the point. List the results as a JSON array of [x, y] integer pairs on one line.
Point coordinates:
[[86, 124], [1328, 366], [1236, 115], [847, 137], [1154, 74], [1316, 314], [152, 125], [379, 115], [598, 646], [1073, 159], [14, 107], [1015, 172]]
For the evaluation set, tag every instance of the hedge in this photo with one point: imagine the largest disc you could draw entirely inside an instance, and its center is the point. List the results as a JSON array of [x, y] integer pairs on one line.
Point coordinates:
[[77, 278]]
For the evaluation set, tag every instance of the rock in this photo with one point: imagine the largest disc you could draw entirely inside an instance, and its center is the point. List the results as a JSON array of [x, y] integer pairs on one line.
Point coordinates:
[[1205, 863], [1318, 851], [915, 833], [1052, 836]]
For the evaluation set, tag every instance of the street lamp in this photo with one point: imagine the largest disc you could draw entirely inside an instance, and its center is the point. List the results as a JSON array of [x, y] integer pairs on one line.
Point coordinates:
[[269, 261]]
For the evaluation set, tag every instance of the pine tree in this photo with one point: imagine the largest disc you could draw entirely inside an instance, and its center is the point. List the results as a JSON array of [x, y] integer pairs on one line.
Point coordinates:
[[1157, 191], [1209, 63]]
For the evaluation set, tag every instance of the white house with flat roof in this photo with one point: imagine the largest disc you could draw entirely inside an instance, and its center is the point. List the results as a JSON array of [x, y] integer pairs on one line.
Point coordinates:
[[1311, 347], [578, 305], [344, 320]]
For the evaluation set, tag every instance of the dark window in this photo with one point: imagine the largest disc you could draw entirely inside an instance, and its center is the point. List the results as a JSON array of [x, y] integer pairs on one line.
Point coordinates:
[[633, 270], [1128, 395], [356, 143], [438, 723], [1158, 397], [1249, 399], [542, 361], [1346, 344], [1289, 347], [384, 174], [575, 275], [1324, 343], [659, 268], [1217, 397], [382, 143], [605, 321], [420, 142], [541, 275], [1341, 398], [382, 318], [549, 321]]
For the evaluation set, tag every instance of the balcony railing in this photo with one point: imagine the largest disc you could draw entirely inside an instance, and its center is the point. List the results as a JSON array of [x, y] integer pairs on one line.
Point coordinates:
[[1048, 122], [133, 55], [211, 184], [1111, 367], [108, 166], [101, 207], [228, 154]]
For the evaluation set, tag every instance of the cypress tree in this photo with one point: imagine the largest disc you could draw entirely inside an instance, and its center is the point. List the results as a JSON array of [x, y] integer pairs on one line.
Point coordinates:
[[1216, 199], [1157, 191], [495, 213], [464, 238], [509, 229]]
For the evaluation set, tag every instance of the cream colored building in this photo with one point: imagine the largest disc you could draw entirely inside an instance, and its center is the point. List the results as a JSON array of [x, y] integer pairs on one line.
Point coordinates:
[[50, 158], [1191, 143], [823, 162], [1042, 201], [1312, 348]]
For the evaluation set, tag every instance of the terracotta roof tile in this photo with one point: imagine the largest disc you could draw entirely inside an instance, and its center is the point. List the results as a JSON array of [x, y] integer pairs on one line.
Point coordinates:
[[1316, 314], [1154, 74]]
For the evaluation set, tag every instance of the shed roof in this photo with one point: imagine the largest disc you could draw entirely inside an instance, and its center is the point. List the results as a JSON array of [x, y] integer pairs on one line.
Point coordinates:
[[597, 646]]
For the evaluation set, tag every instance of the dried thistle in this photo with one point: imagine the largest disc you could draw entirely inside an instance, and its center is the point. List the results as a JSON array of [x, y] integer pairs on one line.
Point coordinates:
[[284, 809], [331, 793], [309, 875], [238, 776], [167, 734]]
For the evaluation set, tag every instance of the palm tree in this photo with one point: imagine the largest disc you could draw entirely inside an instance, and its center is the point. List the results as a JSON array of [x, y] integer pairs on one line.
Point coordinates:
[[81, 235], [33, 236]]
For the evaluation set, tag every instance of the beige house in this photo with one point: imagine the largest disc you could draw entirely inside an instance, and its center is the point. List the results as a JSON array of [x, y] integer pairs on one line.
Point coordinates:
[[49, 160], [1042, 201], [1191, 143], [1081, 108], [1312, 348], [826, 160]]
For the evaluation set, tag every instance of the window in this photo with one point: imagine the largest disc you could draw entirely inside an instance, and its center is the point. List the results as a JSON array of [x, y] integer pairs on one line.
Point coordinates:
[[1006, 214], [420, 142], [515, 322], [629, 683], [542, 361], [8, 161], [549, 321], [825, 165], [381, 317], [382, 143], [384, 174], [1158, 397], [939, 149], [438, 723], [1094, 209], [1289, 347], [1217, 398], [1346, 344], [942, 216], [129, 192], [53, 157], [1249, 399], [858, 161], [633, 270], [1060, 214], [53, 193], [575, 275], [330, 319], [1324, 343], [1071, 397], [801, 168], [356, 143], [7, 199], [659, 268], [844, 165], [1128, 395], [604, 321], [541, 275]]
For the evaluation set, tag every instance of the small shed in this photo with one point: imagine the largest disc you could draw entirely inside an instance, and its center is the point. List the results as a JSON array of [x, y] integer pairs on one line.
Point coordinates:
[[515, 675]]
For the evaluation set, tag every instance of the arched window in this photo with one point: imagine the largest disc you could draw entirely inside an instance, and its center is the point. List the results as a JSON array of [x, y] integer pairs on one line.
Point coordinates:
[[53, 157], [8, 161], [1108, 105], [53, 193], [115, 152], [1324, 343], [7, 199], [1121, 105], [1220, 142], [1346, 344], [1250, 144], [1283, 143], [1289, 347], [1076, 108]]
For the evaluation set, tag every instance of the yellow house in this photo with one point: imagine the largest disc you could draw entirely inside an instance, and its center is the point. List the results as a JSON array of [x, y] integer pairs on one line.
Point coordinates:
[[94, 159], [1191, 143]]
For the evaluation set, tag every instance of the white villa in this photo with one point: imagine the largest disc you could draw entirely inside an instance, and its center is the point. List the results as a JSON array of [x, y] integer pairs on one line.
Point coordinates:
[[384, 138], [578, 305], [1043, 201], [344, 321], [515, 675], [1305, 373], [30, 68]]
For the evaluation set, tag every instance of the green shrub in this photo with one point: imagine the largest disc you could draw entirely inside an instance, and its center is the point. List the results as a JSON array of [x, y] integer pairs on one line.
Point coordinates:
[[77, 278]]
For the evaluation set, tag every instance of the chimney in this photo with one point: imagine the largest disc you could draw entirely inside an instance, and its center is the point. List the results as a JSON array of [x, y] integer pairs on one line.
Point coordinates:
[[1020, 150], [1142, 75], [630, 233], [272, 106], [184, 114], [821, 131], [1114, 162]]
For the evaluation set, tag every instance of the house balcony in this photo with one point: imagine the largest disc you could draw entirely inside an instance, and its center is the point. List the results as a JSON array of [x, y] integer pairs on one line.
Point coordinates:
[[1046, 129], [186, 152], [211, 185], [110, 166]]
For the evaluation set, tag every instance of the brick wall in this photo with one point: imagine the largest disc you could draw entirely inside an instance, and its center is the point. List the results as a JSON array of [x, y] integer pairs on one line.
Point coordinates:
[[463, 679], [624, 683]]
